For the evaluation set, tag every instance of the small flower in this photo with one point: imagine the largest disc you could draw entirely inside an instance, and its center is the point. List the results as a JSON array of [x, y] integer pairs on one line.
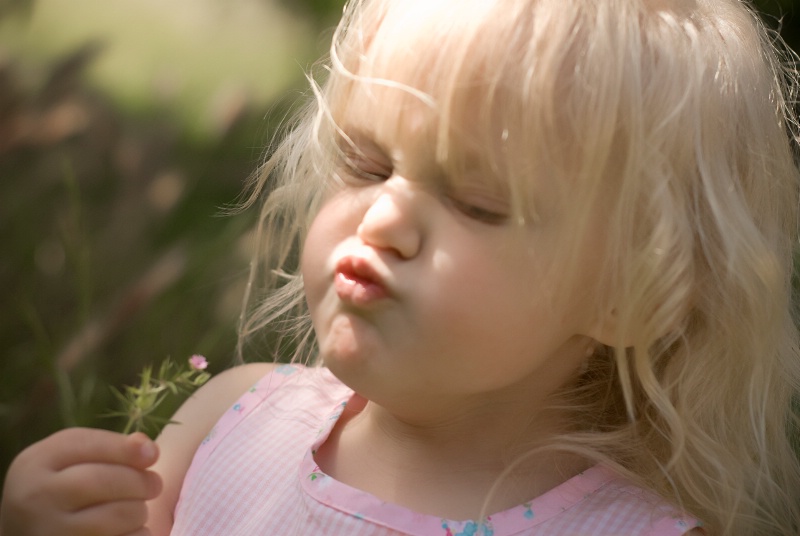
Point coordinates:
[[139, 403], [198, 362]]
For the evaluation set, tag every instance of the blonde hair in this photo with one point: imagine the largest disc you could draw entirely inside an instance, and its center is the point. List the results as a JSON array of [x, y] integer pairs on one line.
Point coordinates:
[[674, 116]]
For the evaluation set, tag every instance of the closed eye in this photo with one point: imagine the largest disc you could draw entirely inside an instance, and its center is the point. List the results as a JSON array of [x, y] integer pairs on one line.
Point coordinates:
[[479, 212], [364, 164], [366, 169]]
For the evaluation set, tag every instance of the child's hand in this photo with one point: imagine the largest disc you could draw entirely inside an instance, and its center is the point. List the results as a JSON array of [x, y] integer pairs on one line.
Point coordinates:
[[80, 482]]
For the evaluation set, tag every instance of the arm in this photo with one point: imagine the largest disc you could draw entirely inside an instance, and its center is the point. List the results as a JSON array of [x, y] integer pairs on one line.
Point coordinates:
[[178, 442]]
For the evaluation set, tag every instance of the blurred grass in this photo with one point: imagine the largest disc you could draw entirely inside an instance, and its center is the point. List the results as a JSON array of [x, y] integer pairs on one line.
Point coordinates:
[[191, 54], [114, 251], [124, 127]]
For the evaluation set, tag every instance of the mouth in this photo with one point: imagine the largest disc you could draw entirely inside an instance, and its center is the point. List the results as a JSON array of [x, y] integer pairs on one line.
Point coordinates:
[[357, 282]]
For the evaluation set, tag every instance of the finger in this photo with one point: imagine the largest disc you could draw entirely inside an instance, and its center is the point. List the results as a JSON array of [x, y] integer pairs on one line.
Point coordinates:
[[84, 485], [75, 446], [140, 532], [117, 518], [126, 518]]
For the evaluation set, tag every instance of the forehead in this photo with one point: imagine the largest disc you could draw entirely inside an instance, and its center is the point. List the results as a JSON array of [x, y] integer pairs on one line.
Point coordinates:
[[465, 77], [480, 84], [422, 84], [407, 135], [412, 57]]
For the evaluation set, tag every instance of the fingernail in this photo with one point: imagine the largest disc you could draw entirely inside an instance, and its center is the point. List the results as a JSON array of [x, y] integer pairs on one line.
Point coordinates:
[[148, 450]]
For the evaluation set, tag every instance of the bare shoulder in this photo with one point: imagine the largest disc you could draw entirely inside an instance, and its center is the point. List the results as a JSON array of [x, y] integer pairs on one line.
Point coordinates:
[[204, 408], [195, 418], [223, 389]]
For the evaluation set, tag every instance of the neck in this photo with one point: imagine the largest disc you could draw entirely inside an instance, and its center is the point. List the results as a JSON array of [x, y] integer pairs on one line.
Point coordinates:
[[447, 463], [476, 433]]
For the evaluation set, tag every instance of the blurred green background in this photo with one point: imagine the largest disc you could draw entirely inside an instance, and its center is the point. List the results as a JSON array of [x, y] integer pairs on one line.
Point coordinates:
[[126, 127]]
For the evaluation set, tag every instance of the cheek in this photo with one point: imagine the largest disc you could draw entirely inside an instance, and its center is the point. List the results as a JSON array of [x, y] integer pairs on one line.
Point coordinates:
[[313, 258], [335, 223], [479, 288], [327, 227]]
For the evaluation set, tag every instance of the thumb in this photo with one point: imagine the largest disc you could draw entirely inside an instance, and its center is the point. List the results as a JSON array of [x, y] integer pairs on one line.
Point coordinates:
[[142, 450]]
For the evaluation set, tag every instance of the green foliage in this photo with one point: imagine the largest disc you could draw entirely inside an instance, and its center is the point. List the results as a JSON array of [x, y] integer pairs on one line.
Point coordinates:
[[324, 11], [140, 403], [114, 249], [15, 7]]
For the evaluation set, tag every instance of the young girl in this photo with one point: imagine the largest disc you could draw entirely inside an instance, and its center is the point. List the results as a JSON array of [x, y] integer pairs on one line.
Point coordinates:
[[541, 251]]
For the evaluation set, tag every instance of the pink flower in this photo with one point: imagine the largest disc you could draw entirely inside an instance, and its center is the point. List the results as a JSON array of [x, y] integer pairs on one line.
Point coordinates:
[[198, 362]]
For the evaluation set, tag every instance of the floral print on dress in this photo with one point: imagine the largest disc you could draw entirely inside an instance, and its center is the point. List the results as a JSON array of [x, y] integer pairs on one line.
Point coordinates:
[[681, 523], [321, 480], [468, 528], [210, 436], [286, 370], [350, 508], [528, 512], [316, 473], [331, 420]]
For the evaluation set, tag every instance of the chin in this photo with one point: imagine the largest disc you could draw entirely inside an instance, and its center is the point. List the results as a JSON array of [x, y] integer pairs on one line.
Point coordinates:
[[345, 344]]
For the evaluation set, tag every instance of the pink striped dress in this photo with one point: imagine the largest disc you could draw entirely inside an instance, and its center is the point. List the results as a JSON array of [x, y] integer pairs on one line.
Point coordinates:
[[255, 475]]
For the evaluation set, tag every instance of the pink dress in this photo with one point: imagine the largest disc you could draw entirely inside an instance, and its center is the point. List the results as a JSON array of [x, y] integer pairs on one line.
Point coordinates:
[[255, 475]]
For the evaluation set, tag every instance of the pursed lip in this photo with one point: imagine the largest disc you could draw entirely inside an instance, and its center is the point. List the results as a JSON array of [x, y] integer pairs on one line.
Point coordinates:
[[356, 281]]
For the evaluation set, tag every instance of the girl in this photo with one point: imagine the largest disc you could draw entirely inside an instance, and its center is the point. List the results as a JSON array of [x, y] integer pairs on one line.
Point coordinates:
[[541, 251]]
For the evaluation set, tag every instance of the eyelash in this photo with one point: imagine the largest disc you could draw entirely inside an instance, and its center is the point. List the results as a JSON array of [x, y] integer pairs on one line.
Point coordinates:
[[351, 164], [478, 213]]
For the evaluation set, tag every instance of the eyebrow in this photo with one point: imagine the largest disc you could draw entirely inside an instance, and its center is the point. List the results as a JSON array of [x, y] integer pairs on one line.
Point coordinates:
[[359, 137], [474, 168]]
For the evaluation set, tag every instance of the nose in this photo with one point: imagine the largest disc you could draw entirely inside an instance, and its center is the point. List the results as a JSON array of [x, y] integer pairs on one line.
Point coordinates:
[[391, 220]]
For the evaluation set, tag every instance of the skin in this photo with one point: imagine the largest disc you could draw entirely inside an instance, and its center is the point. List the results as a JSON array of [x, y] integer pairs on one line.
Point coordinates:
[[467, 336], [83, 482]]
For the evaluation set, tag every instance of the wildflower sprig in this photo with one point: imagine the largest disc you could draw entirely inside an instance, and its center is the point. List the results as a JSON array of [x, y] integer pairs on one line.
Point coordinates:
[[139, 403]]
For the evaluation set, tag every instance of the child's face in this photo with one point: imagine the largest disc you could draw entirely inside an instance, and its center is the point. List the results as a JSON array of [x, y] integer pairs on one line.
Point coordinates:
[[422, 290]]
